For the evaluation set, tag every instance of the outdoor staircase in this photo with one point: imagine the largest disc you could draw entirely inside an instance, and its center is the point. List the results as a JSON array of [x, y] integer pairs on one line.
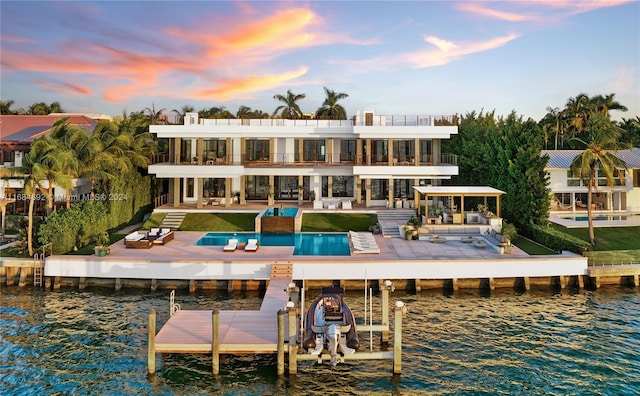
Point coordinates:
[[173, 220], [390, 219]]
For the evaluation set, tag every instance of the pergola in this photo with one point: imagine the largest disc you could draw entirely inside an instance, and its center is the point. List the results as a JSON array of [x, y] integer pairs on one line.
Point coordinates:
[[458, 191]]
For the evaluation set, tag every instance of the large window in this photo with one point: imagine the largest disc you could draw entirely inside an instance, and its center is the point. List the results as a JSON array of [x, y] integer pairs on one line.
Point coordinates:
[[379, 189], [214, 150], [426, 151], [314, 150], [380, 151], [341, 186], [404, 150], [347, 150], [257, 150], [403, 188], [286, 187], [213, 187], [185, 152], [257, 187], [573, 179]]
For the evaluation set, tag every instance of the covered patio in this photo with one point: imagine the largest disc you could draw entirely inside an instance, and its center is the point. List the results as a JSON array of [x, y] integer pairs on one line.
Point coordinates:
[[451, 209]]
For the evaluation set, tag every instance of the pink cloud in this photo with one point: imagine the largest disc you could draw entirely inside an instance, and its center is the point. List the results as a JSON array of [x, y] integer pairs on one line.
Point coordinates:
[[68, 88]]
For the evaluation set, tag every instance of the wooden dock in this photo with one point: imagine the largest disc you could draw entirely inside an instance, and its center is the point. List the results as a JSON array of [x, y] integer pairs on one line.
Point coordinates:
[[271, 330]]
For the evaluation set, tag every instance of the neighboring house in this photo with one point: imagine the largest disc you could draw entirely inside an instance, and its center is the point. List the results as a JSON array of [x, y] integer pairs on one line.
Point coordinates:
[[570, 193], [17, 133], [369, 159]]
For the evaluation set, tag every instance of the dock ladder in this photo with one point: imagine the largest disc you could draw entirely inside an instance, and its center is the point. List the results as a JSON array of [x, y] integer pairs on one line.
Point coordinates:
[[38, 269]]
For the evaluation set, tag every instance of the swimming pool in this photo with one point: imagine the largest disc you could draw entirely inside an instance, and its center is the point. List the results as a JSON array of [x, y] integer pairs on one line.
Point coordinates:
[[305, 244], [289, 212], [603, 217]]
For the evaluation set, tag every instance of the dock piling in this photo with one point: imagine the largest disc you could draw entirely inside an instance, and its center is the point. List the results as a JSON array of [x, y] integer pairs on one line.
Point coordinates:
[[151, 354], [397, 338], [280, 357], [215, 345], [293, 344]]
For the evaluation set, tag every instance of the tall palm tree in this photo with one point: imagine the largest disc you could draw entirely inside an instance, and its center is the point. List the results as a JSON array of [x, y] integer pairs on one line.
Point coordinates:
[[32, 174], [155, 117], [290, 109], [244, 112], [56, 162], [183, 111], [330, 108], [599, 155], [606, 103]]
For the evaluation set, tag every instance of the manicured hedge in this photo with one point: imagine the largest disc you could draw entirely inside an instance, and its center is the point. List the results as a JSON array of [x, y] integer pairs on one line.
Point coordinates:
[[556, 240], [67, 229]]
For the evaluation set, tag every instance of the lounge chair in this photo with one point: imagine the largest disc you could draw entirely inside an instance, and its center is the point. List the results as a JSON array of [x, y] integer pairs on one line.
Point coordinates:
[[252, 245], [346, 205], [231, 246]]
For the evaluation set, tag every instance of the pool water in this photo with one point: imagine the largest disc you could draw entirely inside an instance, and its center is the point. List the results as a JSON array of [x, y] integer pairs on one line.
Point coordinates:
[[306, 244], [288, 212]]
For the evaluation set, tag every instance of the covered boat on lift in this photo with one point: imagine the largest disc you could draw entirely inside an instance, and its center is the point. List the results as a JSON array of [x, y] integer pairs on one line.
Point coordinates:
[[330, 325]]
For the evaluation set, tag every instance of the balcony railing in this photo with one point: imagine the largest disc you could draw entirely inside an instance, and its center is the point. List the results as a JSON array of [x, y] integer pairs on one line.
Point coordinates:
[[378, 120], [289, 159]]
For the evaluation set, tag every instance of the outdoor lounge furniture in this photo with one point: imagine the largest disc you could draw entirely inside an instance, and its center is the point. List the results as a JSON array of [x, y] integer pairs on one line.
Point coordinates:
[[251, 246], [164, 236], [137, 240], [346, 205], [438, 239], [231, 246], [363, 242]]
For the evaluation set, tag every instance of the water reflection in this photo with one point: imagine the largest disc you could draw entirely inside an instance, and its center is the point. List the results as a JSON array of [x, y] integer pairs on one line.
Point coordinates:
[[538, 342]]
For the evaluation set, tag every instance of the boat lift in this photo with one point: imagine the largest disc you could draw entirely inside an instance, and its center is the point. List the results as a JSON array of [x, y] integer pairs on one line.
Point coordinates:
[[296, 353]]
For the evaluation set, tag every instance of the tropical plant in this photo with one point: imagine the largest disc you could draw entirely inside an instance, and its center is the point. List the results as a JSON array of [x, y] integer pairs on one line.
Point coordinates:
[[56, 162], [5, 107], [599, 155], [290, 109], [330, 108], [32, 176], [155, 116], [183, 111]]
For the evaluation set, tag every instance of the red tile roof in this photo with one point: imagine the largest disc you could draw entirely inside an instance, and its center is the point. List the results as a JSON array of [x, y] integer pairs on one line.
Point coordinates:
[[26, 128]]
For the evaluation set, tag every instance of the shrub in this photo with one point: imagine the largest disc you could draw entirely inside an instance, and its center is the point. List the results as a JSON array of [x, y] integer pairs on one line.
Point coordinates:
[[556, 240]]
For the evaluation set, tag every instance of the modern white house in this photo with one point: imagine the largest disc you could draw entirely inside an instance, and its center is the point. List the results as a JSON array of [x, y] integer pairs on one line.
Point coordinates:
[[570, 193], [369, 159]]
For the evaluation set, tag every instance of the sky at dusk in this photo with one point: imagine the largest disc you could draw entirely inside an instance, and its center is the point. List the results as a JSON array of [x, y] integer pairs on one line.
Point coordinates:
[[413, 58]]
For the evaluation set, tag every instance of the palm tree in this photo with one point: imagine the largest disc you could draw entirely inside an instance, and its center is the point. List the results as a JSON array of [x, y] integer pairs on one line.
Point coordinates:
[[56, 162], [183, 111], [599, 155], [155, 117], [5, 107], [290, 108], [330, 108], [606, 103], [32, 175], [244, 112]]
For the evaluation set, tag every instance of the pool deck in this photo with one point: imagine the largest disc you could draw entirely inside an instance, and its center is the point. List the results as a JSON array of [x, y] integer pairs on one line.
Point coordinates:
[[398, 259]]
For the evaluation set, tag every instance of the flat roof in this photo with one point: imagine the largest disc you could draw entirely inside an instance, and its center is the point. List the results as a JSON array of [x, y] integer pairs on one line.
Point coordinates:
[[459, 190]]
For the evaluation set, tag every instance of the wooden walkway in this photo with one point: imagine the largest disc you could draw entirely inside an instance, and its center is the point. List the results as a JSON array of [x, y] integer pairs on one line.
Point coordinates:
[[189, 331]]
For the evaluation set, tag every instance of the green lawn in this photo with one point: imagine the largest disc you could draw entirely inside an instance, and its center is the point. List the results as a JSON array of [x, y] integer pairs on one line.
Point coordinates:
[[532, 248], [607, 238], [337, 222], [153, 221], [219, 222]]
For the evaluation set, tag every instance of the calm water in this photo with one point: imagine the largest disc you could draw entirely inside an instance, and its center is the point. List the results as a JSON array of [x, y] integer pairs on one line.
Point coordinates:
[[471, 342], [306, 243]]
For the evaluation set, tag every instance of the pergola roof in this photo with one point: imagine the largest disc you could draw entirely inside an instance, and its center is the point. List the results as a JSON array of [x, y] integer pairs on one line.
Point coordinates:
[[468, 191]]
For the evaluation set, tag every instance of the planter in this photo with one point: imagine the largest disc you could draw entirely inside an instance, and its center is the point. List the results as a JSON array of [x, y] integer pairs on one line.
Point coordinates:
[[101, 251]]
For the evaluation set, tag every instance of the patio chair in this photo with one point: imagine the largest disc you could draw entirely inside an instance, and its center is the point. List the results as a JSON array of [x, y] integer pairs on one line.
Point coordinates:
[[252, 245], [231, 246]]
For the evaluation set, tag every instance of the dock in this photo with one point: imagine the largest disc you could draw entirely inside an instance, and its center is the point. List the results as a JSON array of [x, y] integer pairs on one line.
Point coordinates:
[[273, 329], [191, 331]]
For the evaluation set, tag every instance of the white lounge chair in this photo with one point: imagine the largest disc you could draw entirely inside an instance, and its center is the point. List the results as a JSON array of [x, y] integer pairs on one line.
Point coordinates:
[[252, 245], [317, 204], [231, 246], [346, 204]]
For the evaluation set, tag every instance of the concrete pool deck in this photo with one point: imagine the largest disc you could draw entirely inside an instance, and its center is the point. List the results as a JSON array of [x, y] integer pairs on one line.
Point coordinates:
[[398, 259]]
